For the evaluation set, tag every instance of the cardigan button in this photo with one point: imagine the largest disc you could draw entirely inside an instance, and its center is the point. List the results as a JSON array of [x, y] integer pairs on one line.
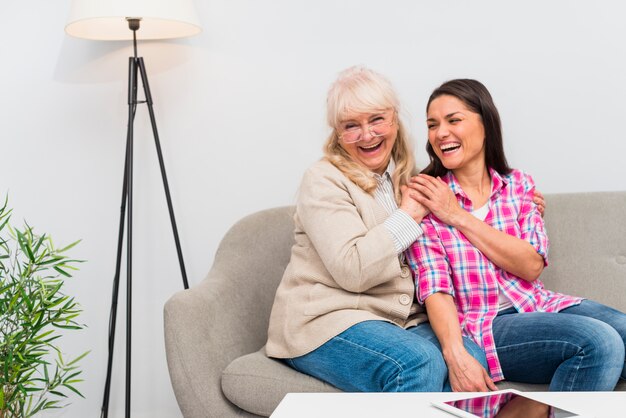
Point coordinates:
[[405, 299], [405, 272]]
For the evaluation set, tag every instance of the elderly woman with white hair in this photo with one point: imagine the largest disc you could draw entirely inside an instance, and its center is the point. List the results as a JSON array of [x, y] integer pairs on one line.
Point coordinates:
[[344, 311]]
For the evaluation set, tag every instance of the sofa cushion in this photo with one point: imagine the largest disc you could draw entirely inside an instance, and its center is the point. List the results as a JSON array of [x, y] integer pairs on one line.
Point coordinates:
[[257, 383]]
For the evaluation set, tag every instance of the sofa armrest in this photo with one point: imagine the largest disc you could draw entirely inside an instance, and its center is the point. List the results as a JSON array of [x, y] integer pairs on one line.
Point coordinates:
[[226, 315], [201, 340]]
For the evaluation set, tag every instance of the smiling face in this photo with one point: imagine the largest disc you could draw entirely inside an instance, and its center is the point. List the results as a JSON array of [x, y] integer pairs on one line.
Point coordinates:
[[456, 134], [370, 151]]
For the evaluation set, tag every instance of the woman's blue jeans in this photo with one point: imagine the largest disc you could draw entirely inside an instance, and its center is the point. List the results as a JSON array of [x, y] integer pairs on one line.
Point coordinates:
[[580, 348], [377, 356]]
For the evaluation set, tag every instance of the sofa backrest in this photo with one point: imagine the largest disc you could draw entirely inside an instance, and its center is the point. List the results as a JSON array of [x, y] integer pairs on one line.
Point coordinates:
[[252, 256], [587, 255]]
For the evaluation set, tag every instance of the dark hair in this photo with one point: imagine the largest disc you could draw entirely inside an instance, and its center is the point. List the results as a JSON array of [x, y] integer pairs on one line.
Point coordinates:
[[477, 98]]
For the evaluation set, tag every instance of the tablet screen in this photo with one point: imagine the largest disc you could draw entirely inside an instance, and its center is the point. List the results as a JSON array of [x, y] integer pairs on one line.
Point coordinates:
[[503, 404]]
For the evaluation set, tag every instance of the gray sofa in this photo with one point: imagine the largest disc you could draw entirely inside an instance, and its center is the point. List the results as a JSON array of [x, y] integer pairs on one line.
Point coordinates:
[[215, 331]]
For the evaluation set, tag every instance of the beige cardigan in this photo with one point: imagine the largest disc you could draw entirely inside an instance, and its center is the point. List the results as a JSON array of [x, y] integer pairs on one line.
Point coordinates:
[[343, 268]]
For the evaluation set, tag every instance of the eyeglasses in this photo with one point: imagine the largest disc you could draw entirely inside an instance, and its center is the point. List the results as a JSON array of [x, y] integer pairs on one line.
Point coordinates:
[[381, 125]]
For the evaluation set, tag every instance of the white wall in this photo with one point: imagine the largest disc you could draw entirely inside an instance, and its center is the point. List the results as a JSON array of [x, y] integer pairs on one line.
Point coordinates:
[[240, 111]]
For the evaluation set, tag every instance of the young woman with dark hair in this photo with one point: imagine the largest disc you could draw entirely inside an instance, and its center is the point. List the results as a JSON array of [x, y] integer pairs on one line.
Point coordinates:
[[483, 249]]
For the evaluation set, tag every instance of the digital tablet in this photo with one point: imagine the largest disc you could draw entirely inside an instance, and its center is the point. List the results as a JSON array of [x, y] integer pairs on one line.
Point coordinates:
[[503, 402]]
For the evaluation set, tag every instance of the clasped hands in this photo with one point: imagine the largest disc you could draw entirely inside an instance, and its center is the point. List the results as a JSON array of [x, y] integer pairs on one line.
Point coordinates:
[[425, 194]]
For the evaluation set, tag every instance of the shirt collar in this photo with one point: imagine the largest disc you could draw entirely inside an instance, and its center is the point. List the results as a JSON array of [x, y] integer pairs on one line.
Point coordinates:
[[387, 173]]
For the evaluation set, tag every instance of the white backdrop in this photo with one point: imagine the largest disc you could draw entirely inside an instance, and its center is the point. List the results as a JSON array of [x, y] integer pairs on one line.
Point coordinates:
[[240, 111]]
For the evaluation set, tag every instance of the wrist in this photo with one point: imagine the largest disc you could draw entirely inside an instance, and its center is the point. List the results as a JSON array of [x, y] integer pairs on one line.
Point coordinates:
[[417, 216], [460, 219], [453, 354]]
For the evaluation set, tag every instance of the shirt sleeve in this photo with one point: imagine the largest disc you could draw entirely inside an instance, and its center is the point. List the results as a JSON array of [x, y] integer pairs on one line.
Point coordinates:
[[532, 227], [403, 229], [357, 256], [428, 260]]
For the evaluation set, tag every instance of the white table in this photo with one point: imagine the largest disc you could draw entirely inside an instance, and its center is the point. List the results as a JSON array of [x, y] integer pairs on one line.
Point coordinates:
[[382, 405]]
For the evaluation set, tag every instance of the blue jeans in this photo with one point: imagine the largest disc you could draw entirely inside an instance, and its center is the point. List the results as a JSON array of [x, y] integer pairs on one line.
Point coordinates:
[[377, 356], [580, 348]]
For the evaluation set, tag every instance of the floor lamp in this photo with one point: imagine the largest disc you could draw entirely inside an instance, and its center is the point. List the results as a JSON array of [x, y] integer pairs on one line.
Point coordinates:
[[122, 20]]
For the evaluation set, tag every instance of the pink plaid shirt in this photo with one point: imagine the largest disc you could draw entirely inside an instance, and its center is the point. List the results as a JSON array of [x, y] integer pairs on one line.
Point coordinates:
[[443, 260]]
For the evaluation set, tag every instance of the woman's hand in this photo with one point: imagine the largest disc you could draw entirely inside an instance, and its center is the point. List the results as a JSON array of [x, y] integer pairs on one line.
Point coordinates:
[[440, 200], [466, 374], [410, 205], [540, 202], [435, 194]]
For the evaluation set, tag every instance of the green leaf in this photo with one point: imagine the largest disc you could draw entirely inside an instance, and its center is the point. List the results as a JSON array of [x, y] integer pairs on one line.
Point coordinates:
[[38, 244], [68, 266], [79, 358], [24, 245], [73, 389], [33, 389], [26, 299], [72, 245], [50, 261], [69, 378], [63, 272], [6, 221], [66, 326]]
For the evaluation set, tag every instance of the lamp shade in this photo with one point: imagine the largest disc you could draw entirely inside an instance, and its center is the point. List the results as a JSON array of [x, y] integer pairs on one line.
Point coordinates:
[[106, 19]]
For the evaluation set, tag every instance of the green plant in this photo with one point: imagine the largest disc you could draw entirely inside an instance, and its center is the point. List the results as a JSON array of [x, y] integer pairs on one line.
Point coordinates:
[[33, 373]]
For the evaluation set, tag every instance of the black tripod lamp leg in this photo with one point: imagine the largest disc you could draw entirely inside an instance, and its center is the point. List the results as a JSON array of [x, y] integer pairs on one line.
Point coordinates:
[[132, 83], [146, 88], [116, 287], [132, 103]]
